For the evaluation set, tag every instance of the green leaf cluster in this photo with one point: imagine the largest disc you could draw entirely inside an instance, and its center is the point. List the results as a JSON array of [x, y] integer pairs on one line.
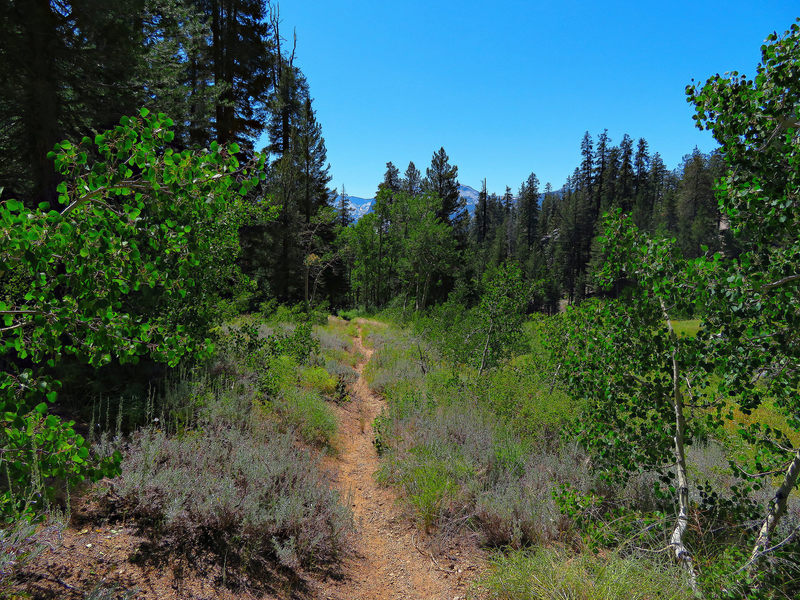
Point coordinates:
[[130, 262]]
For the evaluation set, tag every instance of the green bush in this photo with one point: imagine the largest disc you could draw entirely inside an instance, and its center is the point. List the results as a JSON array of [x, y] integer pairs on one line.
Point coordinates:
[[547, 574], [428, 488], [309, 415], [317, 378]]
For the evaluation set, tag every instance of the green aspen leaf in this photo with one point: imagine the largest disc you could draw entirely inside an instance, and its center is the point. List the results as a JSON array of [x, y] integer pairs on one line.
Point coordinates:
[[41, 408], [144, 112]]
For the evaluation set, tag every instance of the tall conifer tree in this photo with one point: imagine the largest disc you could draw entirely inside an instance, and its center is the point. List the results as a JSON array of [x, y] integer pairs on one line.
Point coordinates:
[[441, 178]]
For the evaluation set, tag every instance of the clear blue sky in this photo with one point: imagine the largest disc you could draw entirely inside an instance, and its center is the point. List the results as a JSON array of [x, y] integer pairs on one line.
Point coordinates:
[[509, 87]]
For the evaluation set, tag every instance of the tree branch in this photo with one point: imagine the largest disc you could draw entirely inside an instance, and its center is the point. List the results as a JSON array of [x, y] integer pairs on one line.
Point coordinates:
[[780, 282]]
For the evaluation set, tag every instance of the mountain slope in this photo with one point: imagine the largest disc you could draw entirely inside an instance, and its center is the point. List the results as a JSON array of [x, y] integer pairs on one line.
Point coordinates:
[[361, 206]]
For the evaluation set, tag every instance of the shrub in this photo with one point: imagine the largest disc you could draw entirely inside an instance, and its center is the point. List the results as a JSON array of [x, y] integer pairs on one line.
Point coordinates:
[[297, 314], [317, 378], [342, 371], [21, 542], [309, 415], [547, 574], [332, 338], [246, 495]]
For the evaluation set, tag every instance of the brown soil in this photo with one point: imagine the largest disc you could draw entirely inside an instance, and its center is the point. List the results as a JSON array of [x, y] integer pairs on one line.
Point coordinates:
[[390, 559]]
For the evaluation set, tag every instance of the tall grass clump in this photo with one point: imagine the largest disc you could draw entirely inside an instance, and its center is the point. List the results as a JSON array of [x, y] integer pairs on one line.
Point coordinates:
[[21, 542], [309, 415], [549, 574]]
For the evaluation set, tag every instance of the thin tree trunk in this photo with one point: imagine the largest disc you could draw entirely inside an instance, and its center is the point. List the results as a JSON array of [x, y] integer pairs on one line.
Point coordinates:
[[425, 290], [777, 508], [40, 114], [306, 285], [486, 348], [316, 281], [682, 553]]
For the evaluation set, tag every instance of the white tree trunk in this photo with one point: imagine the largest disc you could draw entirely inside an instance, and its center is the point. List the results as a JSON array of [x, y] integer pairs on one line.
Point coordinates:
[[777, 508], [486, 348], [682, 554]]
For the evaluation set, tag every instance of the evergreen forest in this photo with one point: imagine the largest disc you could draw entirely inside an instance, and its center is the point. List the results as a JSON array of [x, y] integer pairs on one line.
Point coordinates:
[[217, 382]]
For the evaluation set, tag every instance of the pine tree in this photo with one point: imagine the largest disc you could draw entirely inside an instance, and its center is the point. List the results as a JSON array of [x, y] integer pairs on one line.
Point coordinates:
[[658, 190], [482, 214], [441, 178], [697, 209], [289, 89], [643, 201], [569, 255], [240, 57], [177, 69], [391, 178], [586, 180], [384, 199], [313, 171], [547, 218], [611, 184], [601, 161], [625, 185], [345, 212], [509, 222], [529, 208], [412, 180]]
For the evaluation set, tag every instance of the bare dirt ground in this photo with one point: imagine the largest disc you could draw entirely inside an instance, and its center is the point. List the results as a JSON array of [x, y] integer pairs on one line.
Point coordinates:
[[390, 559]]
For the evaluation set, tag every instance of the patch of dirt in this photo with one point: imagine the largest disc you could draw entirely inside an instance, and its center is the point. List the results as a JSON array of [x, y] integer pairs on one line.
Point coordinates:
[[390, 561], [115, 556]]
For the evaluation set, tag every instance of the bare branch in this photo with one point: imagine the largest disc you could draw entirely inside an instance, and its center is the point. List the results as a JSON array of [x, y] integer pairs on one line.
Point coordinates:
[[780, 282]]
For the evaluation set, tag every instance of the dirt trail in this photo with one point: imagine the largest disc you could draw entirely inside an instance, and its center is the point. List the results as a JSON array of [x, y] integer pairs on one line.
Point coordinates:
[[389, 561]]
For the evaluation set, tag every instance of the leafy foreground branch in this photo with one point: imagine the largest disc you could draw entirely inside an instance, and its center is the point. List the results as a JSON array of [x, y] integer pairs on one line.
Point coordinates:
[[131, 264]]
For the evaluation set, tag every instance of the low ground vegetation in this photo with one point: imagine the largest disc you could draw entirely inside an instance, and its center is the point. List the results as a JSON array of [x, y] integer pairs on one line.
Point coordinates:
[[227, 463], [498, 454]]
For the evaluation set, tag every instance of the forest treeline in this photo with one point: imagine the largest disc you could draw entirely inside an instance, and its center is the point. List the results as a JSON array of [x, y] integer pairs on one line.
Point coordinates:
[[419, 244], [224, 71]]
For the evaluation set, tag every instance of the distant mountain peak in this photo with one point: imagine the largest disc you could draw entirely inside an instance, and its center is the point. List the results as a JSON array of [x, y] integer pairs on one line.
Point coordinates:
[[361, 206], [358, 206]]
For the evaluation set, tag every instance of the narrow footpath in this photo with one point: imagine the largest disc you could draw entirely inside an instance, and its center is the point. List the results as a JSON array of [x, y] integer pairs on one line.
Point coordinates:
[[390, 561]]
